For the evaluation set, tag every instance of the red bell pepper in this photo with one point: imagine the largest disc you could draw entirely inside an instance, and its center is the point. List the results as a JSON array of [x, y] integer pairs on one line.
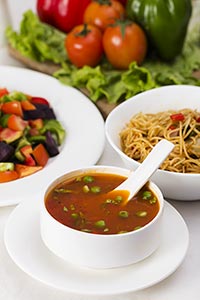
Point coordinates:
[[177, 117], [62, 14]]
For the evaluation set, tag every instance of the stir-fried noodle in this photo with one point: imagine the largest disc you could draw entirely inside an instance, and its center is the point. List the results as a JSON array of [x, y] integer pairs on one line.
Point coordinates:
[[181, 127]]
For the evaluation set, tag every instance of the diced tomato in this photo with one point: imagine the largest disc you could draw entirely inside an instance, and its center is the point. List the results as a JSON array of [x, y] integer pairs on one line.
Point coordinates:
[[23, 170], [40, 155], [33, 131], [39, 100], [27, 105], [29, 161], [8, 135], [27, 151], [13, 107], [177, 117], [3, 91], [16, 123], [37, 123], [6, 176]]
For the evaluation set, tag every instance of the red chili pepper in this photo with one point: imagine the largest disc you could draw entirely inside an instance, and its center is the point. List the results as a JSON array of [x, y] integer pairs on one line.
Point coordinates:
[[62, 14], [172, 127], [177, 117]]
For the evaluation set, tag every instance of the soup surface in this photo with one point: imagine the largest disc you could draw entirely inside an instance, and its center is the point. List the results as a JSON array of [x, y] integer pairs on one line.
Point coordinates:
[[83, 203]]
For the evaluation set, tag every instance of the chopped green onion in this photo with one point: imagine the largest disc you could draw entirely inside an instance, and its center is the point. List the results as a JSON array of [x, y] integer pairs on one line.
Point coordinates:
[[122, 231], [123, 214], [146, 195], [86, 188], [88, 179], [100, 224], [78, 179], [115, 201], [141, 213], [108, 201], [63, 191], [75, 216], [72, 207], [65, 208], [95, 189], [119, 198], [153, 200]]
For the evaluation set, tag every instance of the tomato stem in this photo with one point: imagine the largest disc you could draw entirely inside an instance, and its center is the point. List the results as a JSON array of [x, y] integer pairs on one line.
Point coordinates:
[[122, 24], [103, 2], [83, 32]]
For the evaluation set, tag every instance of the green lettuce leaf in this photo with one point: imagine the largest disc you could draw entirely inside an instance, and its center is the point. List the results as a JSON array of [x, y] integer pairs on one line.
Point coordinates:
[[37, 41]]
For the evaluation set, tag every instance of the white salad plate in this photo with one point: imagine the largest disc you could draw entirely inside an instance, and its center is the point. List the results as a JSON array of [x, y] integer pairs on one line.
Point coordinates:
[[25, 247], [84, 125]]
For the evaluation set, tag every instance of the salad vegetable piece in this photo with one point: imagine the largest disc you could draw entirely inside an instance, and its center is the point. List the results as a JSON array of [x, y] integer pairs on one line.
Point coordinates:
[[29, 134]]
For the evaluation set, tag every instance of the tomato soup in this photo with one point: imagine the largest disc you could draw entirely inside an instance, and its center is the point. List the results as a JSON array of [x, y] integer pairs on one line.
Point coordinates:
[[83, 203]]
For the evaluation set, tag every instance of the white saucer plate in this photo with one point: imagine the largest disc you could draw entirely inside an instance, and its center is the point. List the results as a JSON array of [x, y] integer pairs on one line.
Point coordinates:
[[25, 247], [84, 125]]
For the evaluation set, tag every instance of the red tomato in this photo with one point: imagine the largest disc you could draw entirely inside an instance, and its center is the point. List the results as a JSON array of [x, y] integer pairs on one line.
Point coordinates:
[[123, 48], [6, 176], [13, 107], [3, 91], [27, 105], [37, 123], [84, 45], [16, 123], [103, 13]]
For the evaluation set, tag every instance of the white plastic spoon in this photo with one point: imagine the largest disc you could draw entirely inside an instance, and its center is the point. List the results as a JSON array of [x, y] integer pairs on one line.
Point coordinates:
[[141, 175]]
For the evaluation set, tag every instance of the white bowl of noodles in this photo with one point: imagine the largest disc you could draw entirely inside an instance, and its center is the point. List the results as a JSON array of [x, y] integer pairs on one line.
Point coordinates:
[[171, 112]]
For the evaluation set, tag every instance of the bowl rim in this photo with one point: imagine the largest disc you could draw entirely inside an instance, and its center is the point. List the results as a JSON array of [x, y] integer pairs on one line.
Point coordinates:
[[153, 187]]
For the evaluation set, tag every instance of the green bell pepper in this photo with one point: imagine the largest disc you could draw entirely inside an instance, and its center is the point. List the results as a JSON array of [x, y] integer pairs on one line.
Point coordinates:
[[165, 23]]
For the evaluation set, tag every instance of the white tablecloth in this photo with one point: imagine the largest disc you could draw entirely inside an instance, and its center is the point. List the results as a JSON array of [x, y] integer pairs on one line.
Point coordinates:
[[183, 284]]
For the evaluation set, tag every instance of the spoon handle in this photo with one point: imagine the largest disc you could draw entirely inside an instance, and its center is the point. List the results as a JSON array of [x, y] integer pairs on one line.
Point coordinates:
[[151, 163]]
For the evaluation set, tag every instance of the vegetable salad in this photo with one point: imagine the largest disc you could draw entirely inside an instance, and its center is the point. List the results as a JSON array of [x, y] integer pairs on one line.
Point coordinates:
[[29, 134]]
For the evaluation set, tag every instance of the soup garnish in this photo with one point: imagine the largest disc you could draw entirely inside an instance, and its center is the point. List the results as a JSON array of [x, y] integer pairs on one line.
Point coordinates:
[[82, 203]]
